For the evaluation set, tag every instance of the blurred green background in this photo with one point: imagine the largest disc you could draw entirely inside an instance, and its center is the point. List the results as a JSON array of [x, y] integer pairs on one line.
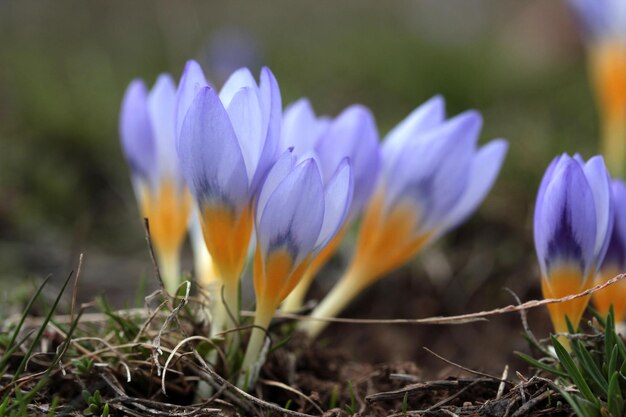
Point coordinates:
[[64, 66]]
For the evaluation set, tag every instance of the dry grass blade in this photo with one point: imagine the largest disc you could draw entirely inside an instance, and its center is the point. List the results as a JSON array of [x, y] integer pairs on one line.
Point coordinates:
[[292, 390], [458, 319]]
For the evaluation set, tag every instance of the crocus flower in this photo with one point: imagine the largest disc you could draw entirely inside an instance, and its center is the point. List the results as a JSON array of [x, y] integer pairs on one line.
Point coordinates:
[[573, 222], [296, 215], [227, 144], [352, 135], [148, 140], [604, 22], [433, 177], [614, 262]]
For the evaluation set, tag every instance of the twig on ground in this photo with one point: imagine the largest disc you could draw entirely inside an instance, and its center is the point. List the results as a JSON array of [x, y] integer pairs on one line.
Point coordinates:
[[449, 362]]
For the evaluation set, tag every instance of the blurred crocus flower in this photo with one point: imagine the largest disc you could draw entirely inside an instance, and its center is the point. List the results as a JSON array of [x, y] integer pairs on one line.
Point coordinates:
[[297, 214], [604, 22], [227, 144], [614, 262], [352, 134], [572, 225], [433, 177], [147, 133]]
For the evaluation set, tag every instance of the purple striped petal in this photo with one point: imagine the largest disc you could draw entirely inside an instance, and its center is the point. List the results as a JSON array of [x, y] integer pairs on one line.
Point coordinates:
[[210, 155], [565, 226], [292, 218], [600, 184], [136, 132], [616, 251]]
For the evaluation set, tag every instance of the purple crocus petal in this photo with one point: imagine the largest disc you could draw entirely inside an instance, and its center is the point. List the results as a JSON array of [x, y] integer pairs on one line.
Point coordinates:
[[283, 166], [245, 115], [601, 18], [136, 132], [600, 184], [210, 156], [191, 82], [271, 105], [437, 183], [616, 251], [484, 171], [547, 178], [238, 80], [301, 128], [337, 198], [293, 215], [161, 104], [353, 134], [565, 228], [425, 117]]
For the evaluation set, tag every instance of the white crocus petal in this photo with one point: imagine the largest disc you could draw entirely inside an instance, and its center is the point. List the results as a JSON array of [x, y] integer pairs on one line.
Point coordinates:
[[484, 171], [337, 198], [293, 215], [238, 80], [283, 166], [599, 182], [161, 103], [245, 115]]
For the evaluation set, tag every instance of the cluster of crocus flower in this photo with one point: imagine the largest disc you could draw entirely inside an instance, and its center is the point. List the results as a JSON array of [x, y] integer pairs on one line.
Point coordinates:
[[433, 176], [231, 166], [573, 222], [604, 22]]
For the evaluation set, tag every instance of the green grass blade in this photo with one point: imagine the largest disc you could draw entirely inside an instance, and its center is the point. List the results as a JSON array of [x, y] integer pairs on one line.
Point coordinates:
[[578, 410], [42, 328], [615, 399], [573, 372], [540, 365], [4, 359], [590, 367]]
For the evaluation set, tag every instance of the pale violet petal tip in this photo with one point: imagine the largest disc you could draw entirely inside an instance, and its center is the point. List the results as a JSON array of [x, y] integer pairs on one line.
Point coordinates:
[[485, 169], [136, 133], [337, 198], [210, 155]]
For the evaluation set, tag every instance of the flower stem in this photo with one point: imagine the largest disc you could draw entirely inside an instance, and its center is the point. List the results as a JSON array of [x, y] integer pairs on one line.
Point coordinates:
[[262, 320], [348, 287], [295, 299], [169, 268]]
